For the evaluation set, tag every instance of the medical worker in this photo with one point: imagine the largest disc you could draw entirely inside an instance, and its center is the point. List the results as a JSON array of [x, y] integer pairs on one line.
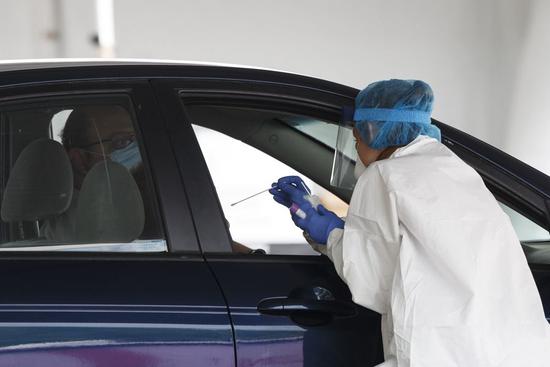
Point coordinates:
[[424, 243]]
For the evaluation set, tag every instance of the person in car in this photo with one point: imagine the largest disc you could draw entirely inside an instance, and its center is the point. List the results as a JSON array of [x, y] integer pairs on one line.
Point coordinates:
[[425, 244], [92, 134]]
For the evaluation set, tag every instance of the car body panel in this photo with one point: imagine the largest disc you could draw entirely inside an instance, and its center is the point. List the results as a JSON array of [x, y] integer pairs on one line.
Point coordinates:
[[287, 341], [138, 311]]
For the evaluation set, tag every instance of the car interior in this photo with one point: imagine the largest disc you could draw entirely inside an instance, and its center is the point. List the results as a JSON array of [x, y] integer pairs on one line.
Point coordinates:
[[37, 185], [274, 133]]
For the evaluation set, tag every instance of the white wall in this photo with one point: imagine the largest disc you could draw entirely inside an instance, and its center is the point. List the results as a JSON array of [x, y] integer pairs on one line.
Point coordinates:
[[464, 49], [78, 28], [527, 134], [27, 29], [47, 28]]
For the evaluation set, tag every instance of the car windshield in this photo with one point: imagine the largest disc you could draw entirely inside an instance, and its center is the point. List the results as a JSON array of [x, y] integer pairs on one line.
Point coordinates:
[[526, 230], [321, 131]]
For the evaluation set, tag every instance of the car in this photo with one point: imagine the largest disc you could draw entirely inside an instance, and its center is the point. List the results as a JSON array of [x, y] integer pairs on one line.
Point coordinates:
[[117, 241]]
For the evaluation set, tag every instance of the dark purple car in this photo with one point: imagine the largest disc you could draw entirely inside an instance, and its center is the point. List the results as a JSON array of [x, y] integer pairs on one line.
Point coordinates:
[[115, 242]]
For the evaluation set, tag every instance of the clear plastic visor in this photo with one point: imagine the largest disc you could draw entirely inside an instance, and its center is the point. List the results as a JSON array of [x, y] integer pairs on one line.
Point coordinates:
[[345, 155]]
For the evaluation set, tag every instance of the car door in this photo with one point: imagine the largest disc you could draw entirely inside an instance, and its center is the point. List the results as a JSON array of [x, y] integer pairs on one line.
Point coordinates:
[[288, 306], [100, 298], [523, 193]]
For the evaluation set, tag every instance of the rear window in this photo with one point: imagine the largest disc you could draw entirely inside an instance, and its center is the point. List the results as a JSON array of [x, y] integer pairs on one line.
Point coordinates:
[[73, 179]]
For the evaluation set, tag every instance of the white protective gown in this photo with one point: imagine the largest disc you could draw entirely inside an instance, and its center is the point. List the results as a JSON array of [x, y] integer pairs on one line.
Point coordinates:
[[426, 245]]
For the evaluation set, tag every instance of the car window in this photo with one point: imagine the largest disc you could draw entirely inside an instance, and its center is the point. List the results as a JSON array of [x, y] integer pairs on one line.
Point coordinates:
[[73, 179], [526, 230], [322, 132], [238, 171]]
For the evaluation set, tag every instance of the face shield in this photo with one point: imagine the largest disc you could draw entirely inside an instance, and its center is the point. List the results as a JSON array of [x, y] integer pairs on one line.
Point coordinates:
[[345, 153], [345, 171]]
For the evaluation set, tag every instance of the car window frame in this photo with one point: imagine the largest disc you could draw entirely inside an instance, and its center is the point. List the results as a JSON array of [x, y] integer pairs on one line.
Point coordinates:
[[138, 96], [512, 182], [214, 237]]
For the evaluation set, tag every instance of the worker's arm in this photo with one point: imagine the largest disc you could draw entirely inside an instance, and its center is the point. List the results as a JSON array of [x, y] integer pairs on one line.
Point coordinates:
[[365, 252]]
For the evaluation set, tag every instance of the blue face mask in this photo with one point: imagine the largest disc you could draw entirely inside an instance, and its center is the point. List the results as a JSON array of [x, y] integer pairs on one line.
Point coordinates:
[[129, 156]]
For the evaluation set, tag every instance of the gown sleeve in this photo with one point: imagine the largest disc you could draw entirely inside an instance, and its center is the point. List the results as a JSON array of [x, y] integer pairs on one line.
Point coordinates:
[[366, 252]]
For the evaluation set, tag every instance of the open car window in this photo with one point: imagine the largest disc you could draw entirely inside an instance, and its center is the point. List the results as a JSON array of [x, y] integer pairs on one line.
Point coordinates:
[[73, 179], [534, 239], [239, 170], [526, 230]]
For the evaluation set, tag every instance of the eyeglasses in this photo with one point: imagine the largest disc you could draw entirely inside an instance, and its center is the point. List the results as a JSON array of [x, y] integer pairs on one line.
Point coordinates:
[[117, 141]]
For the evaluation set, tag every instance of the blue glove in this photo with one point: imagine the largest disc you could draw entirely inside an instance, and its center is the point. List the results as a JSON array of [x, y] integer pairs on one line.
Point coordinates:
[[283, 197], [318, 223]]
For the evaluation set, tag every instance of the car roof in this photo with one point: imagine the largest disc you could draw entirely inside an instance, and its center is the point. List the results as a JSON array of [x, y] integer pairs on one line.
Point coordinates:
[[36, 70], [31, 64]]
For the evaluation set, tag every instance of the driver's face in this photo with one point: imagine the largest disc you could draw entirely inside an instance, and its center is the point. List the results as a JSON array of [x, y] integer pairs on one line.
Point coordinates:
[[106, 129], [106, 133]]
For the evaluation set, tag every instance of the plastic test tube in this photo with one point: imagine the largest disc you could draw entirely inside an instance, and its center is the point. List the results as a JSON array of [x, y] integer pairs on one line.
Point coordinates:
[[313, 200], [295, 209]]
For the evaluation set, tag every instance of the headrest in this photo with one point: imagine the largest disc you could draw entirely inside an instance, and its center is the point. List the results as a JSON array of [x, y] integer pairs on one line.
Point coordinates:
[[40, 184], [110, 207]]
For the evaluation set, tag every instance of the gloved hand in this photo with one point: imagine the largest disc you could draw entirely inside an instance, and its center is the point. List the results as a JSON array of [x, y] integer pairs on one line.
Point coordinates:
[[318, 223], [283, 197]]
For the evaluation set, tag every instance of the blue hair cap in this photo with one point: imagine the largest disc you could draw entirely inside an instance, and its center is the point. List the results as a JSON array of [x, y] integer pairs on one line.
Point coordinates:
[[396, 110]]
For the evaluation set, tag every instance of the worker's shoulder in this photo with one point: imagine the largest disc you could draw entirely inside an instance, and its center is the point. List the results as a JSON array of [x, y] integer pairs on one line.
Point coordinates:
[[422, 153], [422, 146], [424, 159]]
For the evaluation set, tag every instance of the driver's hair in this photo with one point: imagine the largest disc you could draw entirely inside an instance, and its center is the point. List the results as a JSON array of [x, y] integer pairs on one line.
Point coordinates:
[[80, 122]]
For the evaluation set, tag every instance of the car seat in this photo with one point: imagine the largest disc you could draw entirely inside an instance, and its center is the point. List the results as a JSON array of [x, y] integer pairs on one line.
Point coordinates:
[[40, 186], [110, 208]]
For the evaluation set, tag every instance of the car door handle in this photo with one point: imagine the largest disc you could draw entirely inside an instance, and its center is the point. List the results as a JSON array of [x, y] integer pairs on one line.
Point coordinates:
[[286, 306]]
